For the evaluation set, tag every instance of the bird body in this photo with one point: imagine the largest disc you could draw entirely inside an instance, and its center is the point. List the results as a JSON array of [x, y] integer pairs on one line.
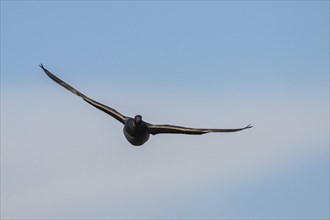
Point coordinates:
[[137, 131]]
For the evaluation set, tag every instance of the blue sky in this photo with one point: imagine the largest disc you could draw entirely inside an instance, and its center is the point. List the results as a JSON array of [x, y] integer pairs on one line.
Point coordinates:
[[192, 63]]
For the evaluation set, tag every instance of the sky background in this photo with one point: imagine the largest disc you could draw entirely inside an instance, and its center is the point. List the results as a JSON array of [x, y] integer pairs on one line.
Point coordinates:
[[214, 64]]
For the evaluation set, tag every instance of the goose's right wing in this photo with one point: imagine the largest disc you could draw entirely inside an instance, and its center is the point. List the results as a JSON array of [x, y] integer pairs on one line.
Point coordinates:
[[172, 129], [96, 104]]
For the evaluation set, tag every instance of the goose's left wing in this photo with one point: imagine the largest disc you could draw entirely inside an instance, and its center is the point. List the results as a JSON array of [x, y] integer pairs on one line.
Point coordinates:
[[94, 103], [172, 129]]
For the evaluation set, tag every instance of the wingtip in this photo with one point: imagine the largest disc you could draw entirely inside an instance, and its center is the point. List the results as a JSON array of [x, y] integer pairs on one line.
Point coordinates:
[[42, 67], [249, 126]]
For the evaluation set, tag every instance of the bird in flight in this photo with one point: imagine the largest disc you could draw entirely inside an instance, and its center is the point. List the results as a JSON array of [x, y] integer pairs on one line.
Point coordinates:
[[137, 131]]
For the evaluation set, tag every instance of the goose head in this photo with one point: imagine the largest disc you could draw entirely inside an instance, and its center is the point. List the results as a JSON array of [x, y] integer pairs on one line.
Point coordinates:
[[137, 120]]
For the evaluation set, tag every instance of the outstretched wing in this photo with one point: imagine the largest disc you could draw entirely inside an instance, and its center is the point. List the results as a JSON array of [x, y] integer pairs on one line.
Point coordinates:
[[158, 129], [96, 104]]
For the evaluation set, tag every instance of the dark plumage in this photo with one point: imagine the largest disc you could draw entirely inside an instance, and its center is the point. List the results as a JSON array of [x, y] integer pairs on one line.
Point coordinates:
[[136, 130]]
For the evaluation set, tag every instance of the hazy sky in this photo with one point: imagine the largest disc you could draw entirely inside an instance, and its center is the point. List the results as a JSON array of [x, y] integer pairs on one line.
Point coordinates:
[[191, 63]]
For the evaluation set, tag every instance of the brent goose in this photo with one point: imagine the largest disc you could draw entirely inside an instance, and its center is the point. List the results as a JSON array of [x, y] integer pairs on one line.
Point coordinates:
[[136, 130]]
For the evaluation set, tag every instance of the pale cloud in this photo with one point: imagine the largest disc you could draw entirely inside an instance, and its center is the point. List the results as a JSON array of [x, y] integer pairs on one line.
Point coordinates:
[[62, 158]]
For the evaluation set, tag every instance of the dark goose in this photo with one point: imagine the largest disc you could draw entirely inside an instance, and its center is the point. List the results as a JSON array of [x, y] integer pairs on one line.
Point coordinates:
[[136, 130]]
